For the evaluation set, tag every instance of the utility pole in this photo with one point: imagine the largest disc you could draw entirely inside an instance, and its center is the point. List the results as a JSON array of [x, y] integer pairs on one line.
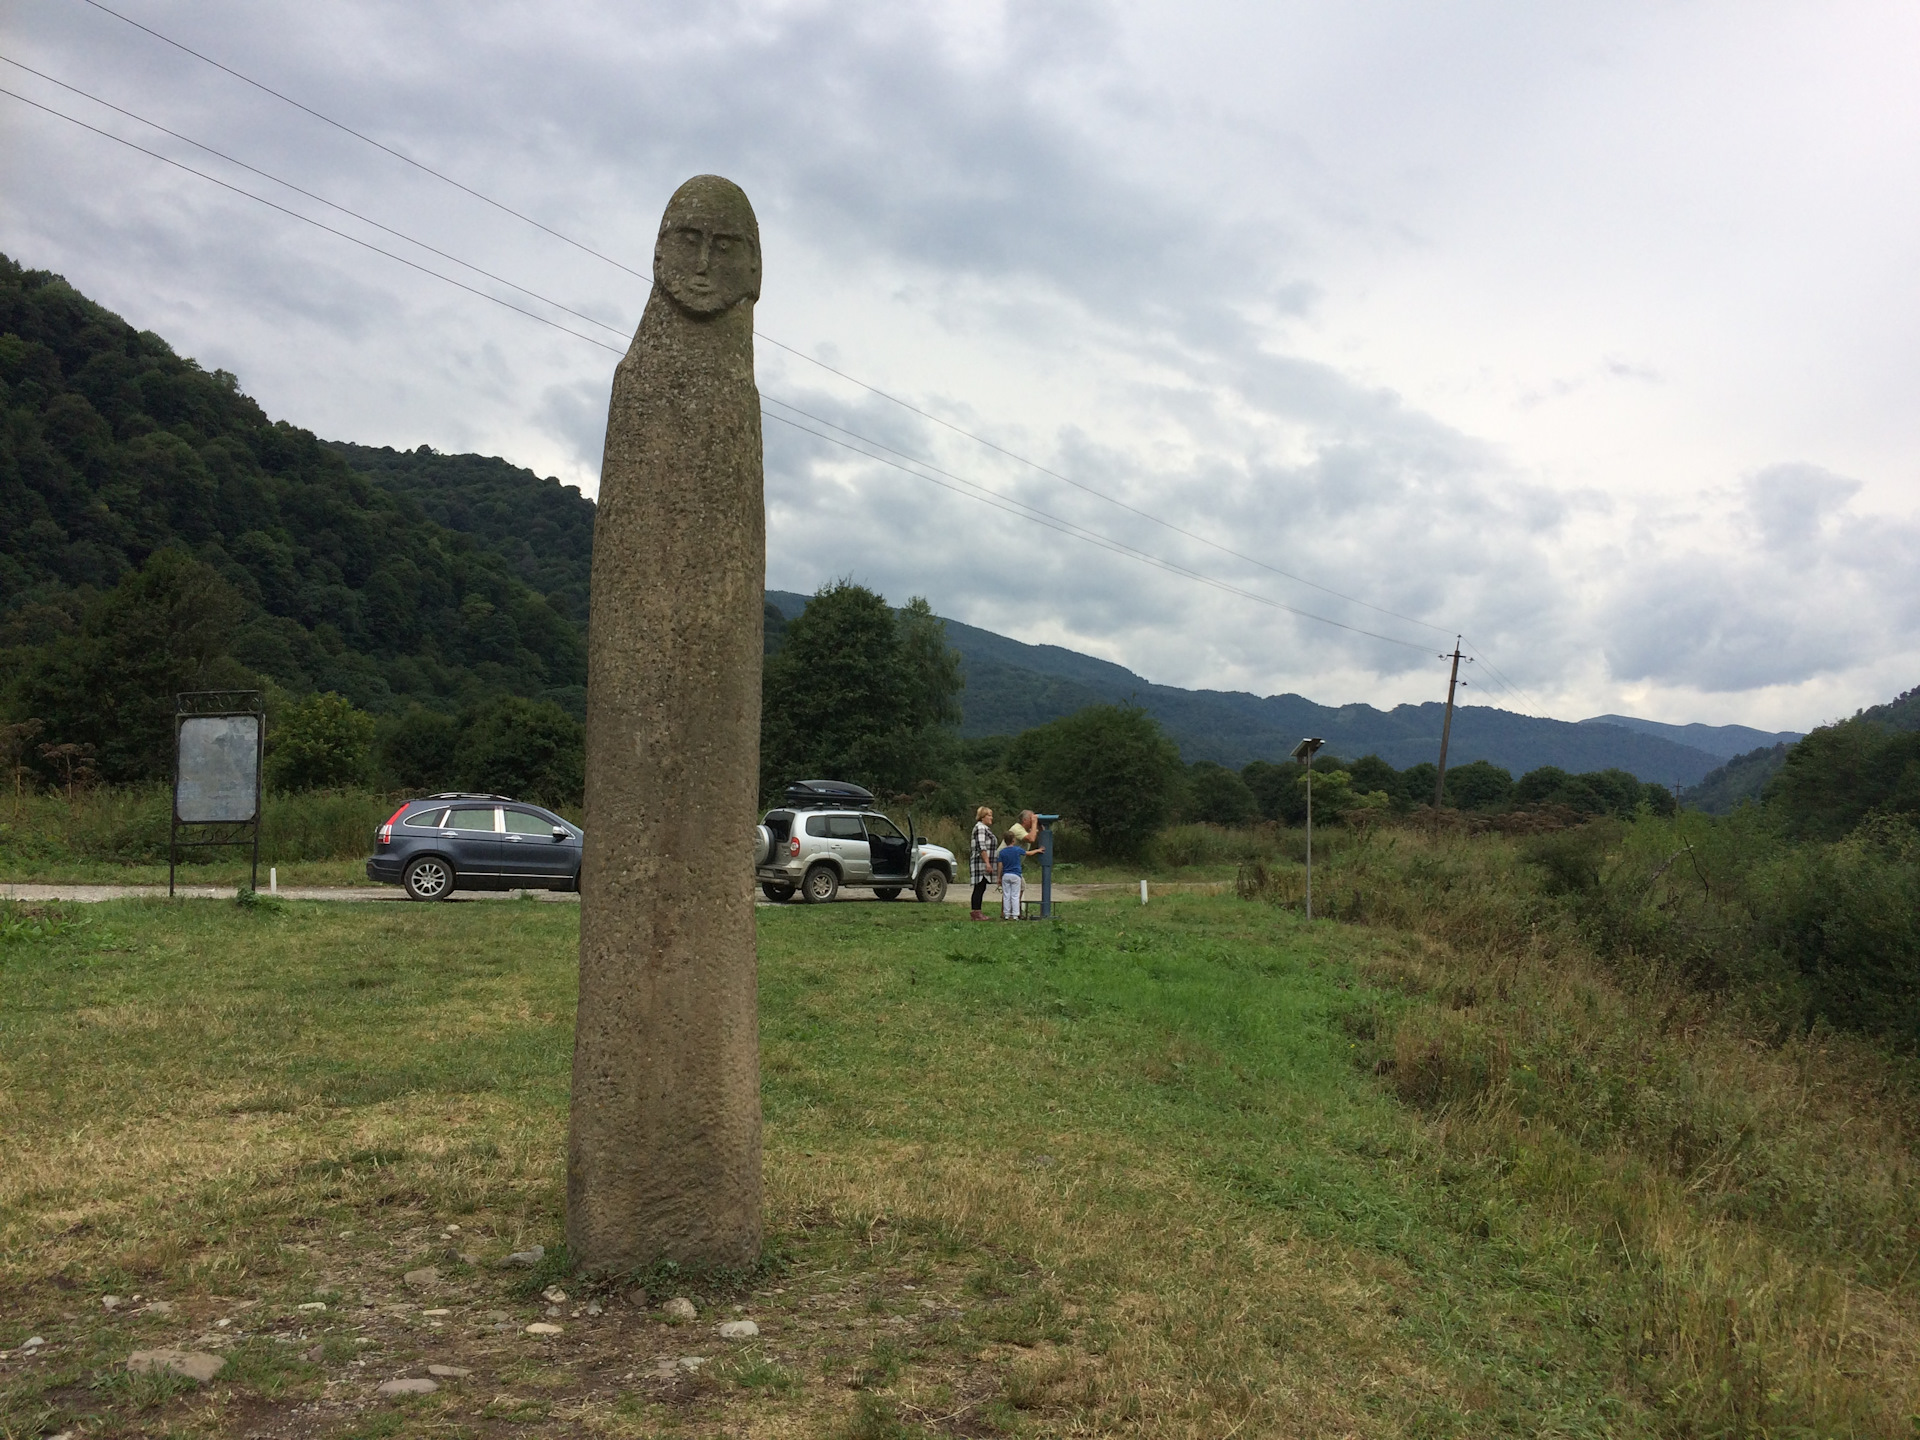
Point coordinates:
[[1446, 725], [1303, 752]]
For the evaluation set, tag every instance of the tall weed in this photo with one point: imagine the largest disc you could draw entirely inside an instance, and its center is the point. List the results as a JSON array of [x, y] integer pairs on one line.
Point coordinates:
[[129, 825]]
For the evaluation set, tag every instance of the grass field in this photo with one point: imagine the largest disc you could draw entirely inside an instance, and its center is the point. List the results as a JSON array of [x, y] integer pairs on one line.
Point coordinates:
[[1188, 1170]]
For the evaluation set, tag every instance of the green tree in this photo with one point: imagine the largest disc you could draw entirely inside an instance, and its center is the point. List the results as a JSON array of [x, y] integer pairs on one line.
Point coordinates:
[[321, 743], [1277, 789], [419, 751], [1480, 785], [1374, 776], [1107, 767], [1835, 777], [1217, 796], [857, 692], [529, 749], [162, 630]]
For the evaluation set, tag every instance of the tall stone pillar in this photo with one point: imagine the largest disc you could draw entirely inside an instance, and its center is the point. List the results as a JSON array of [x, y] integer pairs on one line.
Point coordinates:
[[663, 1159]]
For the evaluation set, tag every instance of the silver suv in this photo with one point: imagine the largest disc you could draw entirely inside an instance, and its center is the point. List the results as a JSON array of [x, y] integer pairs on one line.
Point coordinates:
[[829, 836]]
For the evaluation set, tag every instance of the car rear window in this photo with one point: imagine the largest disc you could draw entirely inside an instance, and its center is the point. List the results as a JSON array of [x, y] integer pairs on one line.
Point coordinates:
[[780, 824], [470, 820], [519, 822], [426, 819]]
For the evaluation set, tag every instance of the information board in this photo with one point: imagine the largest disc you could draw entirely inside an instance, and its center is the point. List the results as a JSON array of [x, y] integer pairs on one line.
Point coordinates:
[[219, 774]]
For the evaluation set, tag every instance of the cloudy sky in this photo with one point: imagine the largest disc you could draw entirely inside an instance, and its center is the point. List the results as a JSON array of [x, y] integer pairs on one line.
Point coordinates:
[[1589, 330]]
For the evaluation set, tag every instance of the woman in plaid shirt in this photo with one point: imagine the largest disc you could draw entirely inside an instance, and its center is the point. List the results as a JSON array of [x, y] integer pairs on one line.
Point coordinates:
[[981, 855]]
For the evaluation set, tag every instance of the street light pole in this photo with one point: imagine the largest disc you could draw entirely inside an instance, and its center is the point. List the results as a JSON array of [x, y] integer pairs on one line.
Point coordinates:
[[1303, 752]]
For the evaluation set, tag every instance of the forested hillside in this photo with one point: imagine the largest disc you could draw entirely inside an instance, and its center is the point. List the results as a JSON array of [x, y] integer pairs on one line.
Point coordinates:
[[133, 480], [541, 528]]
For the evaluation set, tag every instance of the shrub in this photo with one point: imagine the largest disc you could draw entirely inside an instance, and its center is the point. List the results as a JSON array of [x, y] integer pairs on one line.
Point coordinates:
[[532, 750], [321, 743]]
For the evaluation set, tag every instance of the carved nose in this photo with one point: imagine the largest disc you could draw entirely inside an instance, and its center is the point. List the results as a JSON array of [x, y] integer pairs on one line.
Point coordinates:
[[706, 248]]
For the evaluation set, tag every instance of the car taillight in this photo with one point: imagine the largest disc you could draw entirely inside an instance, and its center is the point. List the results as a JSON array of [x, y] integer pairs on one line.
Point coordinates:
[[793, 846], [385, 832]]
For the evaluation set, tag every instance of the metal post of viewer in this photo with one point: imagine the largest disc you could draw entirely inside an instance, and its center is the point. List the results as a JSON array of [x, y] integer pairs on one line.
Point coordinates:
[[1046, 865]]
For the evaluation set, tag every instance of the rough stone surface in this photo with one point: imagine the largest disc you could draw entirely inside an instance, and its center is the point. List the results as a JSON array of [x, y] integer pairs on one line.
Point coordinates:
[[663, 1157], [679, 1308], [194, 1364], [449, 1372], [424, 1279], [554, 1295], [419, 1386], [739, 1330], [540, 1327], [527, 1258]]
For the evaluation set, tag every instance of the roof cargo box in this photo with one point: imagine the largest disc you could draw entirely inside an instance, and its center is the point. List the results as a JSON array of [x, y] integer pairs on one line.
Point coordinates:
[[827, 794]]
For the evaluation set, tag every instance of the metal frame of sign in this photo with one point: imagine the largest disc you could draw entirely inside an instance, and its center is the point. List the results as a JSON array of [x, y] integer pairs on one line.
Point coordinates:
[[217, 705]]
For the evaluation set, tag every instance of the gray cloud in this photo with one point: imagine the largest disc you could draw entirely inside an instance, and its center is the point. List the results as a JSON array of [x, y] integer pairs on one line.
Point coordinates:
[[1088, 246]]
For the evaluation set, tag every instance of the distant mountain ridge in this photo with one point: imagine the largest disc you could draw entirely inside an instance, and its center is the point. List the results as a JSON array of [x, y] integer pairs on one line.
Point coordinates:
[[1012, 685], [1726, 741]]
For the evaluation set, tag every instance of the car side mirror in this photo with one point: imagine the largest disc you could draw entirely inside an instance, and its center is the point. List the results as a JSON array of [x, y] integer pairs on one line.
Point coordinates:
[[559, 832], [919, 839]]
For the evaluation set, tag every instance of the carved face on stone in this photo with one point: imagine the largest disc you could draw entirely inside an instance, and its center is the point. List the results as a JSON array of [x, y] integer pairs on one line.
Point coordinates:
[[708, 255]]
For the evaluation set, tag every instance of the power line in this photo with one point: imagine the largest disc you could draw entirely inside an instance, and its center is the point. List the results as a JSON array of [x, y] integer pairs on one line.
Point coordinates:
[[780, 344], [1066, 527], [318, 199], [1097, 493], [1039, 516], [309, 220], [348, 129], [959, 484]]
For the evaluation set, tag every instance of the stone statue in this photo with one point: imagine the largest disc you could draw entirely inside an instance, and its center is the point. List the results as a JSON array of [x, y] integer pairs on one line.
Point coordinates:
[[663, 1159]]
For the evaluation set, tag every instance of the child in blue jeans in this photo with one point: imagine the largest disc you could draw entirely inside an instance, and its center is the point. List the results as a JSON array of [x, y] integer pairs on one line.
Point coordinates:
[[1007, 862]]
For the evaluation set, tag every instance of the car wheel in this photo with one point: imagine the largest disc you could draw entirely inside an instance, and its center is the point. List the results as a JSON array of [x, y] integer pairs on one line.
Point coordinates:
[[892, 892], [778, 894], [428, 878], [820, 886], [931, 887]]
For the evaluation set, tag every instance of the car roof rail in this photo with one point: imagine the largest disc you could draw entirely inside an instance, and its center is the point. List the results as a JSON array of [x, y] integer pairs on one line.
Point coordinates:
[[463, 795]]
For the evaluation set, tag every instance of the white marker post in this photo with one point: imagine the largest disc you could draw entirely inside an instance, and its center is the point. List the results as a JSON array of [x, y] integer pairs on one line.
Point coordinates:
[[1303, 752], [273, 880], [1143, 892]]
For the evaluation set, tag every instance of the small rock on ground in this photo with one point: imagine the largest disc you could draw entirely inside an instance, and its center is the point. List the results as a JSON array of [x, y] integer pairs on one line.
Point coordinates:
[[196, 1365], [449, 1372], [111, 1302], [540, 1327], [739, 1330], [554, 1295], [526, 1257], [679, 1308], [408, 1387], [423, 1279], [315, 1355], [667, 1366]]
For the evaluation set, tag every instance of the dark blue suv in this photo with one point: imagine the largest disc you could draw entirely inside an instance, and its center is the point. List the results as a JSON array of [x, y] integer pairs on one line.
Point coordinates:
[[444, 843]]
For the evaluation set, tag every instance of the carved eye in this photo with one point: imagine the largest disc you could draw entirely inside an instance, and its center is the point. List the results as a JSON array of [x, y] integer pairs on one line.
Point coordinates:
[[723, 243]]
